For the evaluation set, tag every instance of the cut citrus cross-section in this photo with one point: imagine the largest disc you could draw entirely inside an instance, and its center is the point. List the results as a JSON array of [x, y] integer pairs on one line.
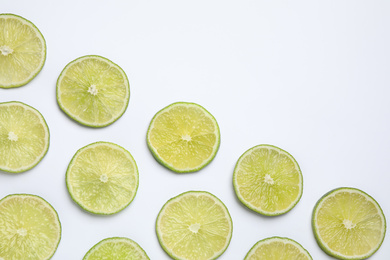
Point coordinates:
[[93, 91], [24, 137], [348, 224], [277, 248], [29, 228], [268, 180], [194, 225], [183, 137], [22, 51], [102, 178], [116, 248]]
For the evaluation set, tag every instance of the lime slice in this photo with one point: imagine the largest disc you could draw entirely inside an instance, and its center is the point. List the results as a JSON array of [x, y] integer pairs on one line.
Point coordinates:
[[184, 137], [93, 91], [268, 180], [102, 178], [348, 224], [24, 137], [116, 248], [22, 51], [194, 225], [29, 228], [277, 248]]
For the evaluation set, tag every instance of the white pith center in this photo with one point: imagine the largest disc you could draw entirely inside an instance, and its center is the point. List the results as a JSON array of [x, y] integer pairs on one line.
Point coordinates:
[[195, 227], [12, 136], [186, 138], [348, 224], [5, 50], [268, 179], [103, 178], [22, 232], [93, 90]]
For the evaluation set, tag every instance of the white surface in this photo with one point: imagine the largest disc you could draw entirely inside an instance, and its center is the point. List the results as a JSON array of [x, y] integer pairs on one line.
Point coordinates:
[[309, 77]]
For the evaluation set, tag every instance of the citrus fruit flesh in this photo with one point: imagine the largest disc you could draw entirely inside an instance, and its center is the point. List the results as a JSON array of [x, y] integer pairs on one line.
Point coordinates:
[[29, 228], [277, 248], [268, 180], [183, 137], [24, 137], [93, 91], [116, 248], [22, 51], [348, 224], [102, 178], [194, 225]]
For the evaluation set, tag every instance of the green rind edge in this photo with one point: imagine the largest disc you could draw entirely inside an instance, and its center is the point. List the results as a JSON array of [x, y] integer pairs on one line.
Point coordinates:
[[83, 122], [319, 242], [249, 206], [80, 204], [183, 194], [161, 161]]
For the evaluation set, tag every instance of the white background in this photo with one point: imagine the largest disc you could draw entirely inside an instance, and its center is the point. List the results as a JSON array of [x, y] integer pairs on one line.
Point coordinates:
[[311, 77]]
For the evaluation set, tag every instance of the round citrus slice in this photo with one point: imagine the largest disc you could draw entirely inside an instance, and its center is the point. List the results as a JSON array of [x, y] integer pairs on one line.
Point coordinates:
[[268, 180], [24, 137], [116, 248], [184, 137], [194, 225], [22, 51], [348, 224], [278, 248], [102, 178], [93, 91], [29, 228]]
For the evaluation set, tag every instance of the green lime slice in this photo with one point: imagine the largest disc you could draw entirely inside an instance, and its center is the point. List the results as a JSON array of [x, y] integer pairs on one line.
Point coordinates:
[[102, 178], [277, 248], [184, 137], [24, 137], [22, 51], [268, 180], [348, 224], [29, 228], [93, 91], [194, 225], [116, 248]]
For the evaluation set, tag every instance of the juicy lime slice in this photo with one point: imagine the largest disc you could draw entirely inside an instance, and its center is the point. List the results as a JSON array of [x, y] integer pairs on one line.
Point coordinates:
[[116, 248], [93, 91], [24, 137], [348, 224], [184, 137], [268, 180], [102, 178], [277, 248], [29, 228], [22, 51], [194, 225]]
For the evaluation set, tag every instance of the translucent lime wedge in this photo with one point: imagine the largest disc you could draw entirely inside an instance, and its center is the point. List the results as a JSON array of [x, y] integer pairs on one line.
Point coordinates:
[[194, 225], [24, 137], [184, 137], [348, 224], [29, 228], [268, 180], [116, 248], [22, 51], [102, 178], [93, 91], [277, 248]]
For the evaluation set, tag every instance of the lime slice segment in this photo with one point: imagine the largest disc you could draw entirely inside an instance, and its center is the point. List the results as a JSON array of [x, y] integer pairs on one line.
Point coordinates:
[[24, 137], [184, 137], [268, 180], [348, 224], [22, 51], [194, 225], [102, 178], [93, 91], [116, 248], [29, 228], [277, 248]]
